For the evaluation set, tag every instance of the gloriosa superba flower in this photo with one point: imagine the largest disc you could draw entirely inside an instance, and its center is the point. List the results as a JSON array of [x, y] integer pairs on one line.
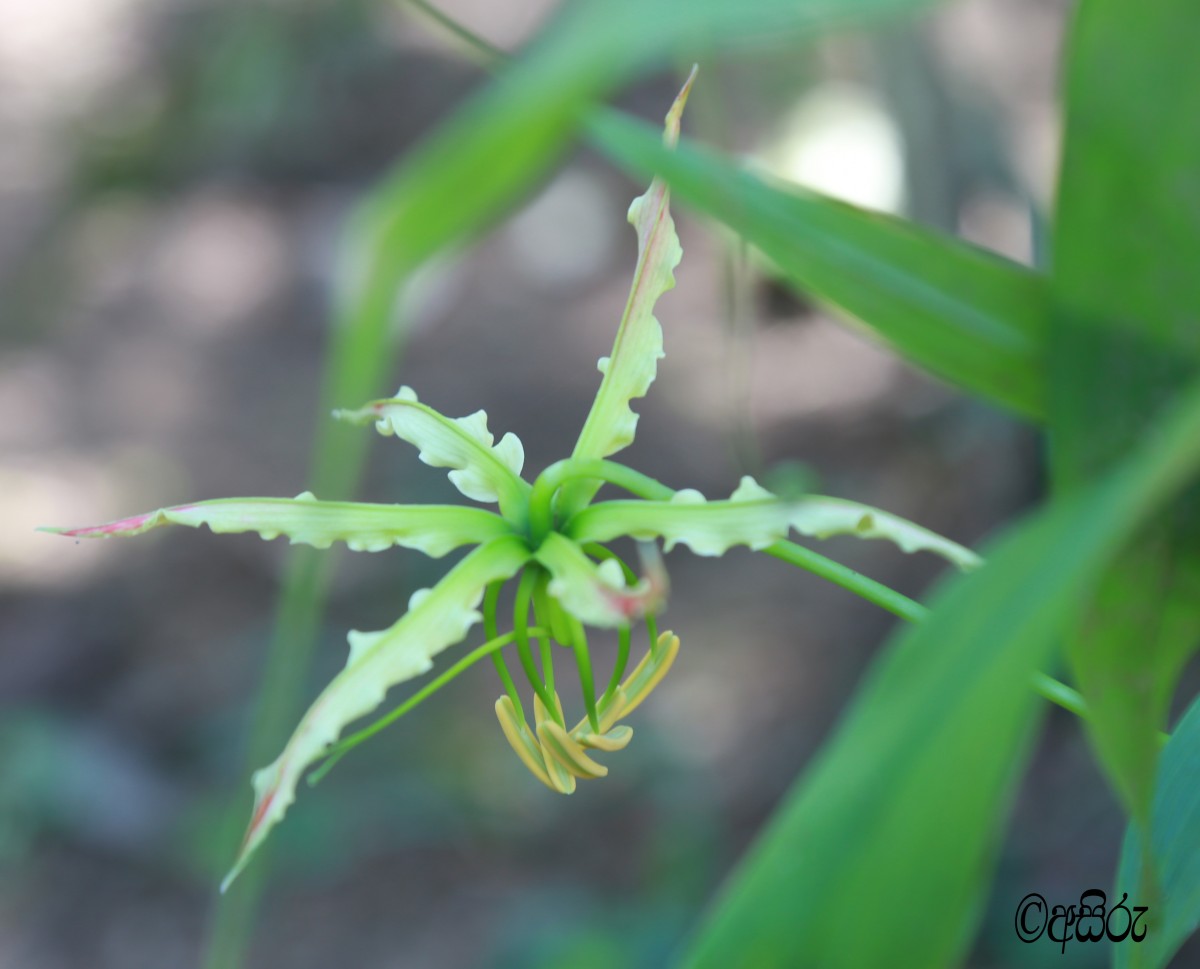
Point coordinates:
[[549, 532]]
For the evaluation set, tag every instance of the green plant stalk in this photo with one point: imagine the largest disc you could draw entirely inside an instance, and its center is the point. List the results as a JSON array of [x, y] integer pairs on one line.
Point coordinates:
[[583, 663], [289, 656], [355, 369], [529, 578], [492, 632], [489, 55], [624, 634], [1060, 694], [624, 645], [491, 648], [541, 610], [876, 592]]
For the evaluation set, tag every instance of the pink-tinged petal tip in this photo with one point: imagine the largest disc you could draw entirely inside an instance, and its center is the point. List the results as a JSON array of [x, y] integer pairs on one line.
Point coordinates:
[[125, 526]]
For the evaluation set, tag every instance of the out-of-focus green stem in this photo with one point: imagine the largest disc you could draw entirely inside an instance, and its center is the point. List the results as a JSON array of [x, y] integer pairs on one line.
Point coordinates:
[[289, 654], [1060, 694], [624, 633], [530, 578], [357, 365], [583, 662], [1070, 700], [489, 54], [490, 599]]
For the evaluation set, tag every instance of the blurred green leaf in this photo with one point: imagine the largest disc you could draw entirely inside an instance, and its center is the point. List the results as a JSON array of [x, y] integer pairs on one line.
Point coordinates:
[[972, 318], [1125, 339], [1174, 834], [882, 853]]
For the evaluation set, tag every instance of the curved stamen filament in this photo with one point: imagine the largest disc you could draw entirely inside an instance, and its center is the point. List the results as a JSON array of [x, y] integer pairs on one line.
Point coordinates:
[[545, 618], [583, 661], [529, 579], [492, 632], [624, 634]]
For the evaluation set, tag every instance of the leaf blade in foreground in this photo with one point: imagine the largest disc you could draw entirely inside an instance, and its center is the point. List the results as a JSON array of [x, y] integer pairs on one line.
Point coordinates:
[[1124, 340], [900, 814]]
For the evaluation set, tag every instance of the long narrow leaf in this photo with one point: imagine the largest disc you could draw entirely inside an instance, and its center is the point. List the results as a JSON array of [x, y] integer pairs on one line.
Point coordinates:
[[1125, 340]]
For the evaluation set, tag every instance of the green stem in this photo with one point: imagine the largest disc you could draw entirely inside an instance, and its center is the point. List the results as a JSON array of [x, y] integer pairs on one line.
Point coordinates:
[[652, 632], [583, 662], [906, 608], [555, 618], [624, 645], [542, 613], [280, 702], [547, 662], [1069, 699], [1060, 694], [876, 592], [624, 634], [491, 631], [529, 578], [491, 55], [492, 647]]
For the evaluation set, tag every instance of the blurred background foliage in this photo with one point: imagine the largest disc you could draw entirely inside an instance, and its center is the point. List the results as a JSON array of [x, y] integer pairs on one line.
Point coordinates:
[[175, 183]]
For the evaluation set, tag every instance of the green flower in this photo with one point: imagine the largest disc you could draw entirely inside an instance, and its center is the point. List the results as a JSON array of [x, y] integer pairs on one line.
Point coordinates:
[[551, 534]]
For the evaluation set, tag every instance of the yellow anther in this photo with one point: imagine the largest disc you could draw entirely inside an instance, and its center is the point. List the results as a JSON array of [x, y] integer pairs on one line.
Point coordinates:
[[555, 756], [562, 779], [522, 740], [616, 739], [649, 672], [558, 744], [610, 712], [540, 713]]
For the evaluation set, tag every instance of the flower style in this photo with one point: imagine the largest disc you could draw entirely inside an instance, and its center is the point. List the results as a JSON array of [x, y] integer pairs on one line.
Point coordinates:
[[550, 533]]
